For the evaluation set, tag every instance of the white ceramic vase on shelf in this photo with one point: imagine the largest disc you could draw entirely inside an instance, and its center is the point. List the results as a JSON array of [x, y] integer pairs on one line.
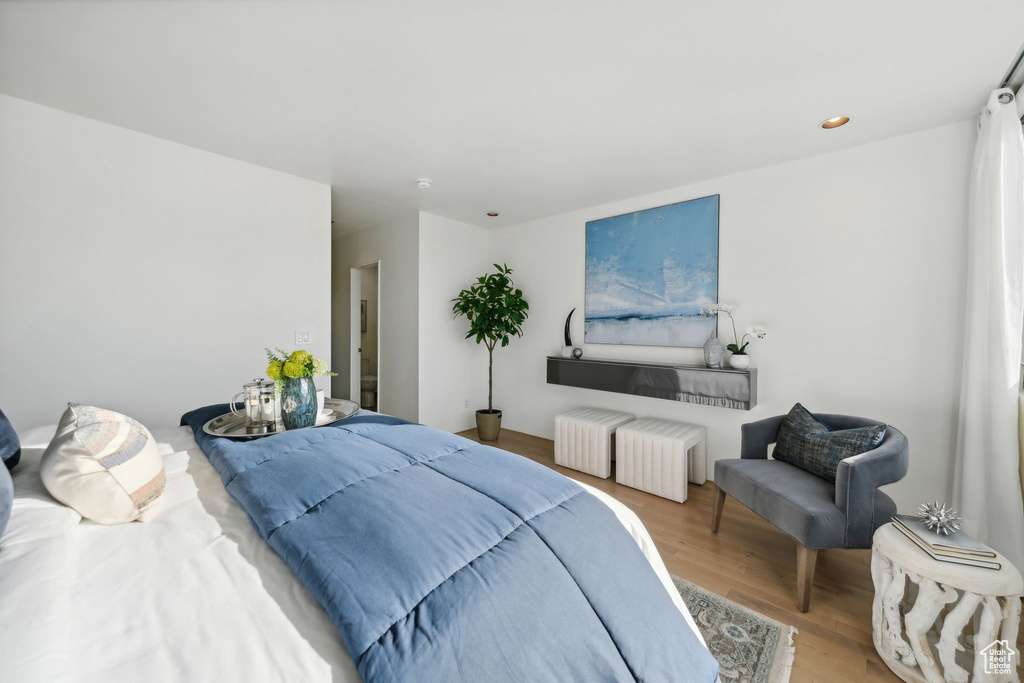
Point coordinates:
[[739, 361]]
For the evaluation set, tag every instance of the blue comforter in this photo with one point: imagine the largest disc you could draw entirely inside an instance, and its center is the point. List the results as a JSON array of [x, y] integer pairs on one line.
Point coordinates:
[[441, 560]]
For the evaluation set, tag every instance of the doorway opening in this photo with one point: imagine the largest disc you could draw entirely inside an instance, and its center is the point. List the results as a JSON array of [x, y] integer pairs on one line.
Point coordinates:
[[365, 363]]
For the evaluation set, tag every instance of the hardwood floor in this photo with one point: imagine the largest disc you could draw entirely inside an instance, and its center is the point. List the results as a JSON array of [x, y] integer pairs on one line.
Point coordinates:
[[754, 564]]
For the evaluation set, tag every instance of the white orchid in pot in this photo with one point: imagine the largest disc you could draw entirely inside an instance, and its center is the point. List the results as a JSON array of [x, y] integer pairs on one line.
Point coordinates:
[[739, 358]]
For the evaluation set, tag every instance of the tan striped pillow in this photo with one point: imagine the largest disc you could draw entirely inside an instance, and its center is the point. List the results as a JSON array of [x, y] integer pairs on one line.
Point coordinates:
[[103, 464]]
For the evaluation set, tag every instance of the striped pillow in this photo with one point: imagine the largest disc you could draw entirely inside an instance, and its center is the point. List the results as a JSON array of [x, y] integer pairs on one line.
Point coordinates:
[[103, 464]]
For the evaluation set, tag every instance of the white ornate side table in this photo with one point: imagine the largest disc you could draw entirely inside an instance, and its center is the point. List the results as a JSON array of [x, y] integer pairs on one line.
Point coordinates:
[[922, 608]]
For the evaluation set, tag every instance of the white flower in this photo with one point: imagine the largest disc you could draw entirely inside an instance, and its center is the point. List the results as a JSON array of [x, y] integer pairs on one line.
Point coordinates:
[[715, 309], [756, 331]]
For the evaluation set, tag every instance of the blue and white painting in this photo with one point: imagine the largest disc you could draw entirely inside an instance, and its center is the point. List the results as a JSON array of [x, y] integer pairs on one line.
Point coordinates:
[[650, 273]]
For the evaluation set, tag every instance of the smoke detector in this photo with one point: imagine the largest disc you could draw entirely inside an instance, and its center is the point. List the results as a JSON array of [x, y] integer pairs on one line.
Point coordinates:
[[423, 184]]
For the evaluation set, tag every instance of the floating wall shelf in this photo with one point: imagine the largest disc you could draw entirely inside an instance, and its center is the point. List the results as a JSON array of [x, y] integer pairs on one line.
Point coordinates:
[[688, 383]]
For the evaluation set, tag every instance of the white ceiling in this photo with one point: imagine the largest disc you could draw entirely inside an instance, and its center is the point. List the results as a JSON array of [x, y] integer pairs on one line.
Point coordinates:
[[527, 108]]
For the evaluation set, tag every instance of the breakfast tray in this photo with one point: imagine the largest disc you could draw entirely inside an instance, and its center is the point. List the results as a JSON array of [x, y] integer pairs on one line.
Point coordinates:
[[231, 426]]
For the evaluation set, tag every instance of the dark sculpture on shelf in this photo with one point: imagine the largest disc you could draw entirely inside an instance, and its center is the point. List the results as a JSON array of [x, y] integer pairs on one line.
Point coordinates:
[[568, 350]]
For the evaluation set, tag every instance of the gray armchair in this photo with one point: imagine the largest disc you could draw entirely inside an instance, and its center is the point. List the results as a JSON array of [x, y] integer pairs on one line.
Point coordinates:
[[813, 511]]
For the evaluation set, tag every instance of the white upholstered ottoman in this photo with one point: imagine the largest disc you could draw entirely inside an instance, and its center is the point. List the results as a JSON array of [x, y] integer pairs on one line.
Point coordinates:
[[584, 439], [660, 456]]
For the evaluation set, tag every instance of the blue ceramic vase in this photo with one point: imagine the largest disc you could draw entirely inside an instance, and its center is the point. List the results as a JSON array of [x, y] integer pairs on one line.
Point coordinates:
[[298, 403]]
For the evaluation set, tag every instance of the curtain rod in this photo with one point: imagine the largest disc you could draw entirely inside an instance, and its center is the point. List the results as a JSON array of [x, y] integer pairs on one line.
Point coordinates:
[[1008, 78], [1013, 68]]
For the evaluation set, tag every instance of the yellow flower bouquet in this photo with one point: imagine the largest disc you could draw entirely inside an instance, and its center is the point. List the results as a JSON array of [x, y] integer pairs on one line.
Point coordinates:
[[293, 375]]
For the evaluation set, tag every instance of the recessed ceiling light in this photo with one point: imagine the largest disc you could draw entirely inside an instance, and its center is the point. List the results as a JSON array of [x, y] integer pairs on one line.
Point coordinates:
[[423, 184], [835, 122], [492, 214]]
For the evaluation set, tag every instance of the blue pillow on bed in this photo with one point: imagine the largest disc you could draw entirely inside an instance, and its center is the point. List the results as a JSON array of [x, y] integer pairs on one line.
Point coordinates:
[[10, 448]]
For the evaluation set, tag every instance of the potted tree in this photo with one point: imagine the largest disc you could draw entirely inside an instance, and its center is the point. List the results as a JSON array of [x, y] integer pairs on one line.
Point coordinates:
[[496, 311]]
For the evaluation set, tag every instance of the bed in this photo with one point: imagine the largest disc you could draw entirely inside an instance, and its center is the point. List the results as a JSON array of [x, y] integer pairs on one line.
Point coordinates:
[[193, 593]]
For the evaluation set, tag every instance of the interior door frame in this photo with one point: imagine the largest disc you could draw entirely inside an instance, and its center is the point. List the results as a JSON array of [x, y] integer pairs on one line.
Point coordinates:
[[355, 331]]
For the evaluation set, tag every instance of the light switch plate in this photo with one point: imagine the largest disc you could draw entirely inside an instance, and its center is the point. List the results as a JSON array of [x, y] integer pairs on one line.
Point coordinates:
[[301, 337]]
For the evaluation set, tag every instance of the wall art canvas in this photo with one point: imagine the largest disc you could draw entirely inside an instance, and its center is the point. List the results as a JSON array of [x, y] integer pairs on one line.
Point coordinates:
[[649, 274]]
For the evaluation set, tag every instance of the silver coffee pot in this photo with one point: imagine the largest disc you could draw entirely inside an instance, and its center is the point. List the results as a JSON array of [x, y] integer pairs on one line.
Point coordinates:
[[257, 398]]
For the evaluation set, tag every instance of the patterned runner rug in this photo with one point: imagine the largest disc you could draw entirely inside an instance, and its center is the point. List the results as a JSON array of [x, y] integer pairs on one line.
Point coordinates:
[[750, 647]]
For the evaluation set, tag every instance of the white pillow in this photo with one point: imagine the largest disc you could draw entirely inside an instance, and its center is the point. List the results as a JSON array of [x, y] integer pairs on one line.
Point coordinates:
[[103, 464]]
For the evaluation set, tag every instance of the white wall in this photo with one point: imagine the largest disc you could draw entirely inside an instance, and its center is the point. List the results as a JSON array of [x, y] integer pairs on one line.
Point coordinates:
[[395, 244], [852, 260], [145, 276], [453, 369], [428, 372]]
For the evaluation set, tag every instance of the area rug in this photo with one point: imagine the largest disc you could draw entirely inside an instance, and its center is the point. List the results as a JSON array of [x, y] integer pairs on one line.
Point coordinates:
[[750, 647]]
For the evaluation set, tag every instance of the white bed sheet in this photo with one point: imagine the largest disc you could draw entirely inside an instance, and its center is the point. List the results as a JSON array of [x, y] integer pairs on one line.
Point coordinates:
[[191, 594]]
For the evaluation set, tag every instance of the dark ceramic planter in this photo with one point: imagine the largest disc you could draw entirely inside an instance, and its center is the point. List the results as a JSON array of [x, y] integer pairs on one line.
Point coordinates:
[[298, 403]]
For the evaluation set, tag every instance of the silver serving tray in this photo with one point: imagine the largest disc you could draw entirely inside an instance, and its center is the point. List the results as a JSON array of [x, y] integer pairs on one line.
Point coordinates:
[[230, 426]]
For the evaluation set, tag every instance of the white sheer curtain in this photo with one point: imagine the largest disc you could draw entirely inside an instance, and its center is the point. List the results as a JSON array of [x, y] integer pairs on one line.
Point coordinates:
[[986, 479]]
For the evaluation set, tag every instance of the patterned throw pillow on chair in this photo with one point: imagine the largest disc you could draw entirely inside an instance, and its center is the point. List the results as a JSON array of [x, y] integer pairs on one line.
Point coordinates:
[[811, 445]]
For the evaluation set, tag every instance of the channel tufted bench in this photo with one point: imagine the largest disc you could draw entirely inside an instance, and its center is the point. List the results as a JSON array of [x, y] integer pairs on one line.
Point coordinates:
[[661, 456], [584, 439]]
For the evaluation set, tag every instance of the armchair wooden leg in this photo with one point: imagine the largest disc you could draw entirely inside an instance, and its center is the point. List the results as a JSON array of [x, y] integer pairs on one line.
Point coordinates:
[[716, 514], [805, 561]]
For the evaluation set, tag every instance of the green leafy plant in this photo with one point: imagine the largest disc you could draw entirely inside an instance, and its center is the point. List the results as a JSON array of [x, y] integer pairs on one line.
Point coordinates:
[[496, 311]]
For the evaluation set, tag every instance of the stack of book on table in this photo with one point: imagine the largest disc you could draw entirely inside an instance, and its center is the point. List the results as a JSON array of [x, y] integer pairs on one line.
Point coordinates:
[[956, 547]]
